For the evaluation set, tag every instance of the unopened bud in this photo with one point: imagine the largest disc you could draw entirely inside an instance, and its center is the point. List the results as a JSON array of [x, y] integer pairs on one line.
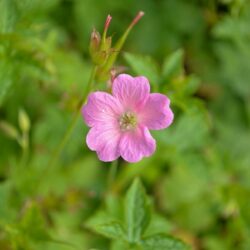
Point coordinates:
[[106, 42], [139, 15], [107, 23], [24, 121], [114, 52], [100, 47], [95, 41]]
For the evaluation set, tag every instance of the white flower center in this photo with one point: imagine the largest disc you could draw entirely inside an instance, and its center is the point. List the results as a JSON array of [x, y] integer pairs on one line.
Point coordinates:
[[128, 121]]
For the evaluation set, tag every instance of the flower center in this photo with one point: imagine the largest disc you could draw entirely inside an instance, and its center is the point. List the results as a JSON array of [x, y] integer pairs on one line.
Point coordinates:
[[128, 121]]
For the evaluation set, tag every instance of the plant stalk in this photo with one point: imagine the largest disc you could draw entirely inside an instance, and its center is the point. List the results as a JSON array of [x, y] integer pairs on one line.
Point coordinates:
[[70, 129]]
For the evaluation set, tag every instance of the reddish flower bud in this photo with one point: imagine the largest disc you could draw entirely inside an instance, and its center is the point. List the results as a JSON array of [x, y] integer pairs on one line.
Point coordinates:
[[95, 41], [107, 23], [136, 19]]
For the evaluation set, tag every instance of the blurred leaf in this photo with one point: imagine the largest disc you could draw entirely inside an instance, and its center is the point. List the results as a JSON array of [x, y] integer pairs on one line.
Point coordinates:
[[119, 244], [158, 224], [36, 6], [8, 15], [112, 230], [173, 65], [137, 211], [32, 225], [9, 130], [6, 212], [143, 65], [193, 126], [161, 241], [5, 79]]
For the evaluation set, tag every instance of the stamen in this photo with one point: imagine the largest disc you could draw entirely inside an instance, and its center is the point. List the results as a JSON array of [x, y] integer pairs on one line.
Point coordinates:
[[128, 121]]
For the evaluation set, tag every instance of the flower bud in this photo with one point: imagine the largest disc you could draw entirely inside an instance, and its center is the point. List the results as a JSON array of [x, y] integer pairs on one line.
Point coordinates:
[[107, 23], [100, 46], [24, 121], [95, 41], [104, 72]]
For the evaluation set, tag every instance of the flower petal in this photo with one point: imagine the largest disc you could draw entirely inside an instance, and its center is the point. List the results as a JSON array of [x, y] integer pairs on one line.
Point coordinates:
[[104, 140], [133, 92], [156, 113], [100, 108], [137, 144]]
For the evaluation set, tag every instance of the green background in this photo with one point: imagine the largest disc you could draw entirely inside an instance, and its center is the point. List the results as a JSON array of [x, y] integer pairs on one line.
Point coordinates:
[[195, 51]]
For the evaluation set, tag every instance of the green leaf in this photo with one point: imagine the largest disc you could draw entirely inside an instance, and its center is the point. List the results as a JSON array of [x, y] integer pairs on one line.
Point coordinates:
[[6, 80], [143, 65], [162, 242], [112, 230], [118, 244], [9, 130], [33, 224], [106, 224], [8, 15], [192, 125], [173, 64], [137, 212], [6, 212], [158, 224]]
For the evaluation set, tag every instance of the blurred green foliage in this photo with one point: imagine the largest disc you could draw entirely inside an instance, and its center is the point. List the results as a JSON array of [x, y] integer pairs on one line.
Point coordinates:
[[197, 52]]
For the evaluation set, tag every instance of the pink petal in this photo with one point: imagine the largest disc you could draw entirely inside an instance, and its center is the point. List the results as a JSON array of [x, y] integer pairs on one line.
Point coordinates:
[[156, 113], [100, 108], [104, 140], [137, 144], [133, 92]]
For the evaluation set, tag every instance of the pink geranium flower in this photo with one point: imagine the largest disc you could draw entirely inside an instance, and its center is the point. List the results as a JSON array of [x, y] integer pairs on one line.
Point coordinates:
[[120, 122]]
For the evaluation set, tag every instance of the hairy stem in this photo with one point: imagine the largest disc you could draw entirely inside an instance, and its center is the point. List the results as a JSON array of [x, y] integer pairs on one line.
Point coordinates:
[[53, 159], [112, 174]]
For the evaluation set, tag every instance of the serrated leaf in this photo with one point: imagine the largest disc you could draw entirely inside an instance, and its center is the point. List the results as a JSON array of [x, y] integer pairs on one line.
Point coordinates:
[[173, 64], [162, 242], [137, 212], [105, 224], [143, 65], [112, 230]]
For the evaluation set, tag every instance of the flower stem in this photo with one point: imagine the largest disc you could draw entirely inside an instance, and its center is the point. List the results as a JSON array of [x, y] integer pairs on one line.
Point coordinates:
[[53, 159], [25, 149], [112, 174]]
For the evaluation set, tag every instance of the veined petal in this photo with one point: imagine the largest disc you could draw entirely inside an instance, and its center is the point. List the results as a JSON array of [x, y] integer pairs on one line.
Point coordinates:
[[100, 108], [156, 114], [132, 92], [104, 140], [135, 145]]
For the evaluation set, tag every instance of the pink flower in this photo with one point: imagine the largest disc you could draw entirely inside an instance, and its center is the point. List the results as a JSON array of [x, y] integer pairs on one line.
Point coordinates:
[[120, 122]]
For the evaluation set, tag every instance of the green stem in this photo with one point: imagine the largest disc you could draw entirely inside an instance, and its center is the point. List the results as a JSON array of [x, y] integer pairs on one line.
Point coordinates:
[[112, 173], [74, 120], [24, 142]]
